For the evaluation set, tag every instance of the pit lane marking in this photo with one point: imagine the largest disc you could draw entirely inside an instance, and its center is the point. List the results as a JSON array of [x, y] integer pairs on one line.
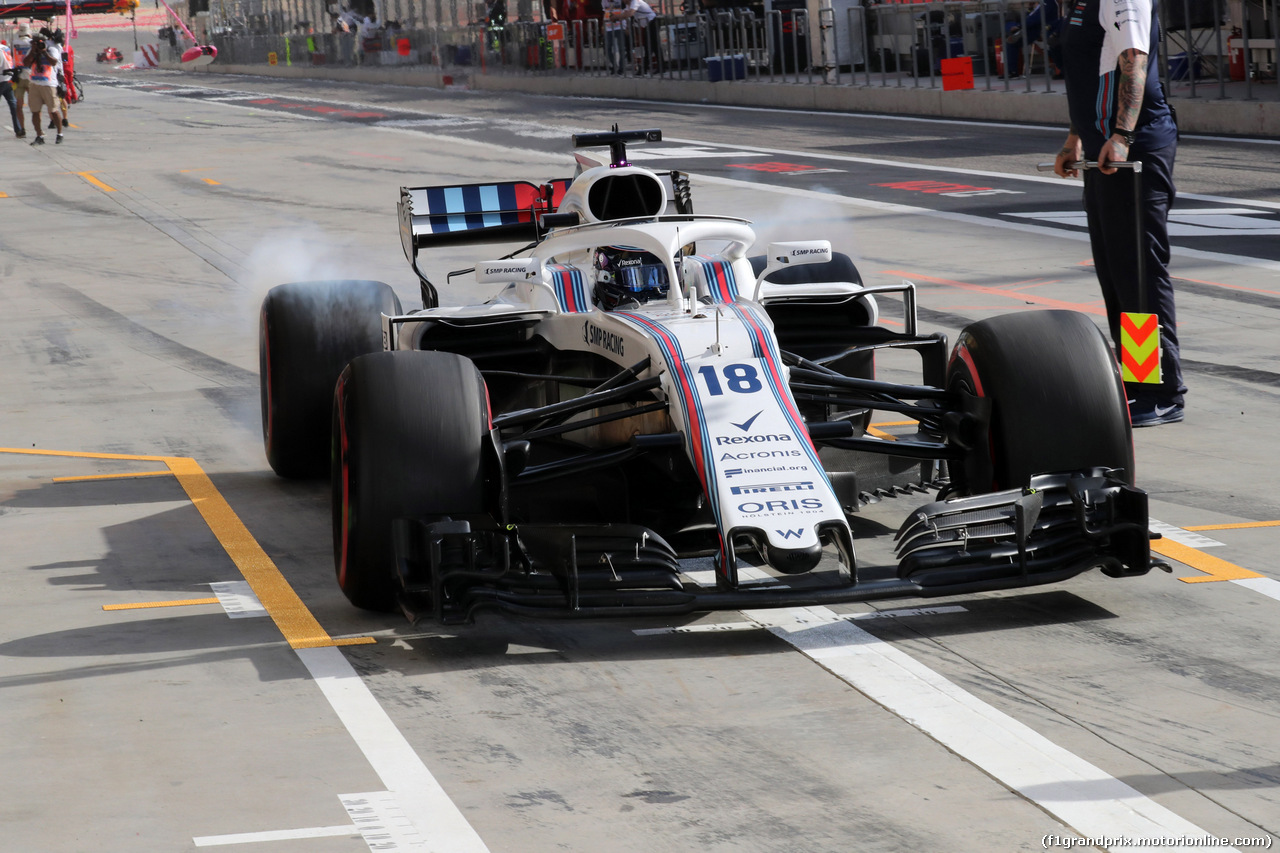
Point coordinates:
[[1079, 794], [144, 605], [1019, 295], [276, 835], [1182, 535], [410, 784], [717, 627], [1237, 525], [88, 176], [291, 616], [123, 475]]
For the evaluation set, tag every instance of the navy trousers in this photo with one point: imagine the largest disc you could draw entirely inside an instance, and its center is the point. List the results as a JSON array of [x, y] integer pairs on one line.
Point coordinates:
[[1109, 203]]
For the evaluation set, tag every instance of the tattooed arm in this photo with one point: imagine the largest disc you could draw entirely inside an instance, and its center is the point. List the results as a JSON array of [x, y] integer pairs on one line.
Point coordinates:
[[1072, 152], [1133, 82]]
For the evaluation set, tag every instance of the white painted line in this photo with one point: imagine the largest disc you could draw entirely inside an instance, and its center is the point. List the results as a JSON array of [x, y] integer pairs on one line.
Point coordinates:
[[237, 598], [419, 795], [954, 170], [383, 824], [970, 219], [707, 577], [1266, 586], [1074, 791], [276, 835], [667, 152], [1182, 537], [717, 627], [713, 628]]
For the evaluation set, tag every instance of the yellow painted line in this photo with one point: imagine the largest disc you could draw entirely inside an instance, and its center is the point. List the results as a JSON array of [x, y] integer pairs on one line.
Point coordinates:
[[211, 182], [1214, 569], [144, 605], [291, 616], [874, 429], [1243, 525], [112, 476], [76, 454], [4, 195], [88, 176]]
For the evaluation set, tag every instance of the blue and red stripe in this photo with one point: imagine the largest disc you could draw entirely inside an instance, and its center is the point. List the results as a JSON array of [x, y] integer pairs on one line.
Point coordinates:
[[764, 347], [570, 288], [720, 278], [698, 436]]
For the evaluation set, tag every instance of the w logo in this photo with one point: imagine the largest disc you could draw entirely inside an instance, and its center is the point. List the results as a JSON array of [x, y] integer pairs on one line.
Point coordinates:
[[790, 534]]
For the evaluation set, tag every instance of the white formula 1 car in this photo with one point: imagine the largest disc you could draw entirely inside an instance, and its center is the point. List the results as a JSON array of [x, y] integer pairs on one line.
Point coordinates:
[[637, 390]]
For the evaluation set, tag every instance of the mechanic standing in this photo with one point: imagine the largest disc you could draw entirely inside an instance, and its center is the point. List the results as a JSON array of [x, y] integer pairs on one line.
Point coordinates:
[[1118, 112]]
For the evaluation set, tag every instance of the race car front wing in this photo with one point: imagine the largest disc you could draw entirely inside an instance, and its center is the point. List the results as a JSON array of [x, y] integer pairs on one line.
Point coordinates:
[[1059, 527]]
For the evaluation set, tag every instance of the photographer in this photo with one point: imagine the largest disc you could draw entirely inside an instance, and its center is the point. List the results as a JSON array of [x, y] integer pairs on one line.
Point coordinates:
[[44, 66]]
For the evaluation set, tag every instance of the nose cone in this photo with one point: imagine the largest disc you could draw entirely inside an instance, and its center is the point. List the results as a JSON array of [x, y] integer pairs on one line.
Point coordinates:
[[794, 561]]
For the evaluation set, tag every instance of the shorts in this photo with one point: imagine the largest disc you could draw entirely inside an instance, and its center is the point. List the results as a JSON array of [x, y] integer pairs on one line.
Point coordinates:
[[40, 97], [20, 88]]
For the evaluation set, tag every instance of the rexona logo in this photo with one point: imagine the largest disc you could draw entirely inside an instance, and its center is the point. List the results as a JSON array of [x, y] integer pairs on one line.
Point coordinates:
[[764, 438], [595, 336], [763, 488]]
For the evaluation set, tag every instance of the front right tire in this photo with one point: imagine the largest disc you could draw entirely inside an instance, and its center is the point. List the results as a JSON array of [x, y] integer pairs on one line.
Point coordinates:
[[1056, 396], [408, 433]]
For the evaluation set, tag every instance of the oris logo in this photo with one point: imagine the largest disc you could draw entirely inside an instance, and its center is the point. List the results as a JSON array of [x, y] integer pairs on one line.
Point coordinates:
[[593, 335], [785, 507], [753, 439]]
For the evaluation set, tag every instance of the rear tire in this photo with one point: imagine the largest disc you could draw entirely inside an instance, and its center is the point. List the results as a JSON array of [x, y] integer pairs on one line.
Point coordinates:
[[408, 433], [1057, 400], [307, 333]]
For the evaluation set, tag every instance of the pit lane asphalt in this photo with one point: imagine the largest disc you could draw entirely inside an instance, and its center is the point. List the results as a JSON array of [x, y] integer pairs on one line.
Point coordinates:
[[143, 729]]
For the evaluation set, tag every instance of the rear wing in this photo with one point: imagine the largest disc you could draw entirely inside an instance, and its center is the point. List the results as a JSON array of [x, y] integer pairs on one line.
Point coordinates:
[[474, 213]]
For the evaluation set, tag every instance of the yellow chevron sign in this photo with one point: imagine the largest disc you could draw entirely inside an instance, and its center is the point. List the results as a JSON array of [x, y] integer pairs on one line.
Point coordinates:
[[1140, 348]]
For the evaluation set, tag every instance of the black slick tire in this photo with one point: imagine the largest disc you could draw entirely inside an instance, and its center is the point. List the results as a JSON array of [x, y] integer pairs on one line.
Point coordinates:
[[408, 433], [1056, 397], [307, 333]]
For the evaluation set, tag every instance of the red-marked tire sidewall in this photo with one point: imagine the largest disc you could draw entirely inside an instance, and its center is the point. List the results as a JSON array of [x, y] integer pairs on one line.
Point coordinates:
[[408, 432], [1057, 400]]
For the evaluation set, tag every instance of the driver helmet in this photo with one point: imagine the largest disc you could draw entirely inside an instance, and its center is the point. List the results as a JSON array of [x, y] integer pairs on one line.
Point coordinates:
[[627, 275]]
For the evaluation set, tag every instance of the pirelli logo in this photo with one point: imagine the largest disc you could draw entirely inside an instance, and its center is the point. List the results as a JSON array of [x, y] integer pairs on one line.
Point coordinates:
[[765, 488]]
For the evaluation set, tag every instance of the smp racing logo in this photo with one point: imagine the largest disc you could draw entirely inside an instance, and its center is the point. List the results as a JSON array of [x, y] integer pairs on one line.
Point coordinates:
[[506, 270], [593, 335]]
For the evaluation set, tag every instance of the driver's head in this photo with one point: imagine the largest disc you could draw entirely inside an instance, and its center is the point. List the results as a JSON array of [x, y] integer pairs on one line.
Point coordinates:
[[627, 276]]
